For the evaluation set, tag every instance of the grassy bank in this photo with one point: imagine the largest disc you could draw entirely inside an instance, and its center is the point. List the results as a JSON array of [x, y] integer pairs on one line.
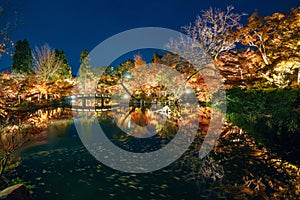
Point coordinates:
[[271, 116]]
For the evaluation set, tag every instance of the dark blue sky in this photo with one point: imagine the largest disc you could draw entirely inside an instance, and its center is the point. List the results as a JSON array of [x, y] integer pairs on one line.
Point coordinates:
[[74, 25]]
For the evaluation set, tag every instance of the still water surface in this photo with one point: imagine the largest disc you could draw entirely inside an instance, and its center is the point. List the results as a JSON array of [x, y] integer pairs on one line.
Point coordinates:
[[62, 168]]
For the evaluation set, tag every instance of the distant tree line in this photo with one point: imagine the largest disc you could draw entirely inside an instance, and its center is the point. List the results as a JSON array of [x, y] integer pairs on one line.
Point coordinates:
[[46, 63]]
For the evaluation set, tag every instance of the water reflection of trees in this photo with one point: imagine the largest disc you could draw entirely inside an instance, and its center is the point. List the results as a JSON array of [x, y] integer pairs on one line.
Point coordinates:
[[202, 172], [141, 120], [20, 128], [11, 139]]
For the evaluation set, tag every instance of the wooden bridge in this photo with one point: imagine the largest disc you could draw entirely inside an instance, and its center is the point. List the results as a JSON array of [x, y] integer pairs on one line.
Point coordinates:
[[103, 102], [89, 102]]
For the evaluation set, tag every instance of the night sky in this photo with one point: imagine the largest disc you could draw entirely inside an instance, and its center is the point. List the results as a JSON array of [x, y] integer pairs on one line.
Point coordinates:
[[74, 25]]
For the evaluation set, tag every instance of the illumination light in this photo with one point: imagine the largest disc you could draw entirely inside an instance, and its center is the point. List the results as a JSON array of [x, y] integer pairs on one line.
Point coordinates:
[[125, 96], [128, 75], [188, 91]]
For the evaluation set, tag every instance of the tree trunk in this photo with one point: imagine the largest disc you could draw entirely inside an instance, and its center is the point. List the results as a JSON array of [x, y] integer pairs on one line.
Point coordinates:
[[265, 59], [298, 80]]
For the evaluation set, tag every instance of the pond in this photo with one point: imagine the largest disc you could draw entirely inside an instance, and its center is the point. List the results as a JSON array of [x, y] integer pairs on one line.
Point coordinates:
[[61, 167]]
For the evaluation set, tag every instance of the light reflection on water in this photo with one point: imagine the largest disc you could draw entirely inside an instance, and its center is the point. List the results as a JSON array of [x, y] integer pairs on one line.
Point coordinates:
[[61, 168]]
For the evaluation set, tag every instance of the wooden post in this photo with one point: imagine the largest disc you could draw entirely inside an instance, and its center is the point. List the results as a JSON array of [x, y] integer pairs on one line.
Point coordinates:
[[102, 101], [298, 80], [83, 102]]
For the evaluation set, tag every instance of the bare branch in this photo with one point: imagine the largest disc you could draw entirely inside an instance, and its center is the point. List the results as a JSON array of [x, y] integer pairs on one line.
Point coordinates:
[[45, 62], [212, 30]]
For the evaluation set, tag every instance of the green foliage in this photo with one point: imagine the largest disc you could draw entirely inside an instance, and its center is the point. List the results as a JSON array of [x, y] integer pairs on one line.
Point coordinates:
[[22, 58], [268, 113], [25, 104], [109, 70], [85, 66], [83, 55], [65, 69], [8, 162], [6, 168], [18, 180], [86, 75], [124, 67], [156, 58]]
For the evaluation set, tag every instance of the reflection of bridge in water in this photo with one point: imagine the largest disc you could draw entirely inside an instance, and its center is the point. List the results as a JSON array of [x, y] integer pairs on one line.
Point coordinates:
[[103, 102]]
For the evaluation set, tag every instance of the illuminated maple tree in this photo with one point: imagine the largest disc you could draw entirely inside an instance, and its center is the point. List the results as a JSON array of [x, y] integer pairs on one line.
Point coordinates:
[[212, 30], [276, 38], [255, 34], [285, 36]]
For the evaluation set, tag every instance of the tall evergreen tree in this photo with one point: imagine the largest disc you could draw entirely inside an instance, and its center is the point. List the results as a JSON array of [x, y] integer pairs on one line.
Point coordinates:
[[156, 58], [85, 66], [86, 76], [65, 70], [22, 58], [124, 67], [83, 55]]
